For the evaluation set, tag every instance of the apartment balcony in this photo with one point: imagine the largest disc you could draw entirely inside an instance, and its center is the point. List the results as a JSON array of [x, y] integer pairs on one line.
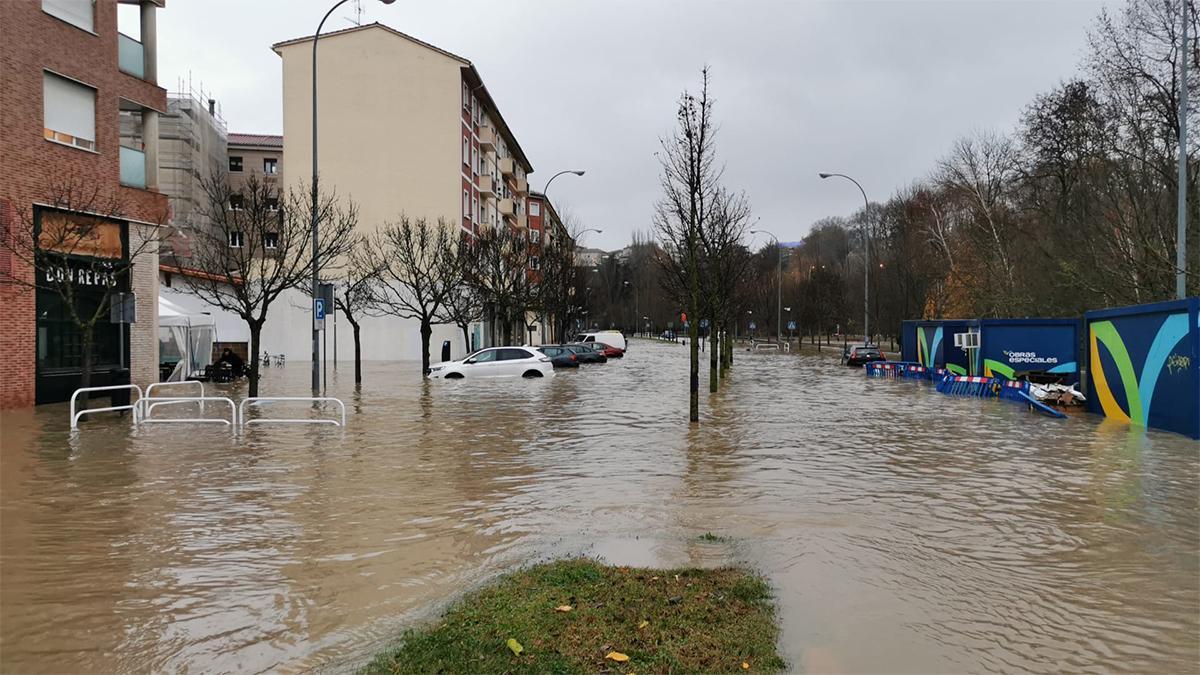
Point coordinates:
[[487, 138], [133, 167], [507, 208], [508, 166], [131, 56], [522, 222], [521, 186], [487, 187]]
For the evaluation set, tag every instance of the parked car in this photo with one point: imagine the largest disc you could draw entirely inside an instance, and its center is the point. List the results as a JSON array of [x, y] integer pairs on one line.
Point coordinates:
[[612, 338], [608, 351], [496, 362], [560, 356], [857, 355], [586, 354]]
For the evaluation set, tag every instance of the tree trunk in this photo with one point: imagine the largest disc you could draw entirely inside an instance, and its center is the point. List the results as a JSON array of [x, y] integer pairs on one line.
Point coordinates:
[[466, 329], [426, 334], [712, 359], [86, 338], [693, 335], [255, 363], [357, 350]]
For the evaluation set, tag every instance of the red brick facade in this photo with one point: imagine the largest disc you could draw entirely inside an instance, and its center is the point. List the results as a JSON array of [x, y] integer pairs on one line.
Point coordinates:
[[32, 41]]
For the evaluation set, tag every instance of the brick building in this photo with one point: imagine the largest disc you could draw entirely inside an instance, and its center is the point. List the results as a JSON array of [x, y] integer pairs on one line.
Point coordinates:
[[69, 81]]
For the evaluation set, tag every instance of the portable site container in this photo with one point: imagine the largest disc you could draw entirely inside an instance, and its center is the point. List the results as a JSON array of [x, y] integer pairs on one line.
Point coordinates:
[[1011, 346], [1144, 365]]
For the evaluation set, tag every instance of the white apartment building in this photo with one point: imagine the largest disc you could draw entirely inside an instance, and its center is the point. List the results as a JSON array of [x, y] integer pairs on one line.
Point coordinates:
[[404, 128]]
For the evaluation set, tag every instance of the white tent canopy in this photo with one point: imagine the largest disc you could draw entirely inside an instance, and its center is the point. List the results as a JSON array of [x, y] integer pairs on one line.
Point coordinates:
[[188, 335]]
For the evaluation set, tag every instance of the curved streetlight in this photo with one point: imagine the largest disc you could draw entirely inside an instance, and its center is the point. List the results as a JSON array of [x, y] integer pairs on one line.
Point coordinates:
[[866, 255], [546, 190], [316, 334], [779, 284]]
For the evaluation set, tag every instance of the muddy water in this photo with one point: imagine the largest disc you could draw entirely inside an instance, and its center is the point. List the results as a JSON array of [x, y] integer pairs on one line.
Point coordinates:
[[903, 531]]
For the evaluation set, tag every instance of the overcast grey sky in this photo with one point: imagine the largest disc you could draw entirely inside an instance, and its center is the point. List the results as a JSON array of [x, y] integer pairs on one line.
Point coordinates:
[[877, 90]]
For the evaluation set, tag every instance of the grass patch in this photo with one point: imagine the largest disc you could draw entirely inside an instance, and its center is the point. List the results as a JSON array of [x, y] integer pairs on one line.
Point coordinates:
[[710, 537], [683, 620]]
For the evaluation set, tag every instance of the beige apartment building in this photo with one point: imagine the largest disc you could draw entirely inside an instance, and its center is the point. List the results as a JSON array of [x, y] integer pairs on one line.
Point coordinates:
[[404, 128]]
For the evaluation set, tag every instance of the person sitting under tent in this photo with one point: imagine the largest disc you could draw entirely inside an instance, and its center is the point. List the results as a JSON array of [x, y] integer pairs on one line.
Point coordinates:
[[234, 362]]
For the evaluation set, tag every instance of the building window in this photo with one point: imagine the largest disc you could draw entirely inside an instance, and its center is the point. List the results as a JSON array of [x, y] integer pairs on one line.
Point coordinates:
[[475, 208], [69, 112], [474, 157], [272, 203], [79, 13], [534, 263], [535, 236], [466, 96], [270, 166], [236, 240], [466, 204], [467, 151], [270, 241], [236, 202], [535, 208], [235, 164]]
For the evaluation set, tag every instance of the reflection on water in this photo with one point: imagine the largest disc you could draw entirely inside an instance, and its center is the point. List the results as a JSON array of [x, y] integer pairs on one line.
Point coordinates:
[[903, 530]]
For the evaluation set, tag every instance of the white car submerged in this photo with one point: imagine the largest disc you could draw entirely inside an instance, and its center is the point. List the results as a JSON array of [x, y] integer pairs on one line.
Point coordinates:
[[496, 362]]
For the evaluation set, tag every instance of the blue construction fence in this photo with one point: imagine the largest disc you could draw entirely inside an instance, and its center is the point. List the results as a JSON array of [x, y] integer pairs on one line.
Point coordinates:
[[1143, 362]]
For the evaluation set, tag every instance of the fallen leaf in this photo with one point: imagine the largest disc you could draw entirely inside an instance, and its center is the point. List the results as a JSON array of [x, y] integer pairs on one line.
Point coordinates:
[[514, 646], [617, 656], [643, 624], [745, 666], [653, 578], [563, 608]]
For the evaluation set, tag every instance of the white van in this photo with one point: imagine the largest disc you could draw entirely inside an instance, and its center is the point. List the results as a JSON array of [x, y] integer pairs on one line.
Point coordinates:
[[612, 338]]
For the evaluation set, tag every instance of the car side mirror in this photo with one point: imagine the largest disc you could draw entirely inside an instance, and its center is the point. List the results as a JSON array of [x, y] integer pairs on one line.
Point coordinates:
[[469, 361]]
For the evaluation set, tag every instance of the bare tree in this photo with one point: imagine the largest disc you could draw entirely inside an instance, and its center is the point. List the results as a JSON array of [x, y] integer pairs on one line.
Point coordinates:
[[79, 239], [689, 179], [416, 276], [357, 293], [259, 245], [501, 271], [726, 264], [463, 304]]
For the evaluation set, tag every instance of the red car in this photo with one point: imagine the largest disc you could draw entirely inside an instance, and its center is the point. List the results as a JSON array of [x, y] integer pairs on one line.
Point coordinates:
[[607, 350]]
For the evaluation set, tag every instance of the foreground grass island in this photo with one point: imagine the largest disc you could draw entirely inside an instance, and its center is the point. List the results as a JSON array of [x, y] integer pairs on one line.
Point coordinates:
[[579, 616]]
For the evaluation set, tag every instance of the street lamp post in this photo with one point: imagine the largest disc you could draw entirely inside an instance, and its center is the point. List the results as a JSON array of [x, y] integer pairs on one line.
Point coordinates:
[[866, 255], [316, 334], [779, 287]]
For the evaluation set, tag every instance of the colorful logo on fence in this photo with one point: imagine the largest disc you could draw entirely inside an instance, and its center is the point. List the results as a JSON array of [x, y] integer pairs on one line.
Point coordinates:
[[928, 345], [1137, 387]]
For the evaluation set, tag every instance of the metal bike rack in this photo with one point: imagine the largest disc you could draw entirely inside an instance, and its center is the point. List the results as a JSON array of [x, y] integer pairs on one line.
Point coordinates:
[[148, 405], [150, 392], [133, 406], [273, 399]]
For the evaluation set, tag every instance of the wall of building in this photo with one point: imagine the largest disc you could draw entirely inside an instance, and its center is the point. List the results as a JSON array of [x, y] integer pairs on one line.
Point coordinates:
[[389, 124], [32, 41]]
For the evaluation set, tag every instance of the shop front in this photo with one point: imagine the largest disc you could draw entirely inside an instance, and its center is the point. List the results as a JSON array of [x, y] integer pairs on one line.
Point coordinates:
[[82, 265]]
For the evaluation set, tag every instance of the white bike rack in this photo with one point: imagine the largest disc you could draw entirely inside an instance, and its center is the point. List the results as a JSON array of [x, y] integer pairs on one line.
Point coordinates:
[[274, 399], [133, 406], [148, 405]]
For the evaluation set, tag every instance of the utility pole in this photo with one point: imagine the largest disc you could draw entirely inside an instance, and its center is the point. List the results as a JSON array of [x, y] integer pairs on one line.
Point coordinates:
[[1181, 216]]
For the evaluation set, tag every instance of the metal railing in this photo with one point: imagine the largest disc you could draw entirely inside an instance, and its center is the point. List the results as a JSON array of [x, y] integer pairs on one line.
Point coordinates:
[[115, 387], [182, 399], [149, 404], [259, 400]]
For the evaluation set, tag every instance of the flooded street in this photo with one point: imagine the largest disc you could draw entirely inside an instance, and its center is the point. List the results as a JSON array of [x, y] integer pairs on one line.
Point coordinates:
[[903, 530]]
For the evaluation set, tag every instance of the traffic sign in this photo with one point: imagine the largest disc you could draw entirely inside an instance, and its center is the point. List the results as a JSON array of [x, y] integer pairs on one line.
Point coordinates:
[[791, 325], [753, 325], [704, 323], [319, 313]]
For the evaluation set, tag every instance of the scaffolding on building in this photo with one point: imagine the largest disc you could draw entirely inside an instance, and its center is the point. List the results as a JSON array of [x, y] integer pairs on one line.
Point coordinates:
[[193, 144]]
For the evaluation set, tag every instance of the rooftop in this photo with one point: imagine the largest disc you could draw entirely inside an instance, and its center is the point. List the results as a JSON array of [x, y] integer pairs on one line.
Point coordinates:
[[261, 140]]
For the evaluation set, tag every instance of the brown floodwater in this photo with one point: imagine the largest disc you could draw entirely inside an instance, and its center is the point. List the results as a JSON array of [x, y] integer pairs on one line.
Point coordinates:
[[902, 530]]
